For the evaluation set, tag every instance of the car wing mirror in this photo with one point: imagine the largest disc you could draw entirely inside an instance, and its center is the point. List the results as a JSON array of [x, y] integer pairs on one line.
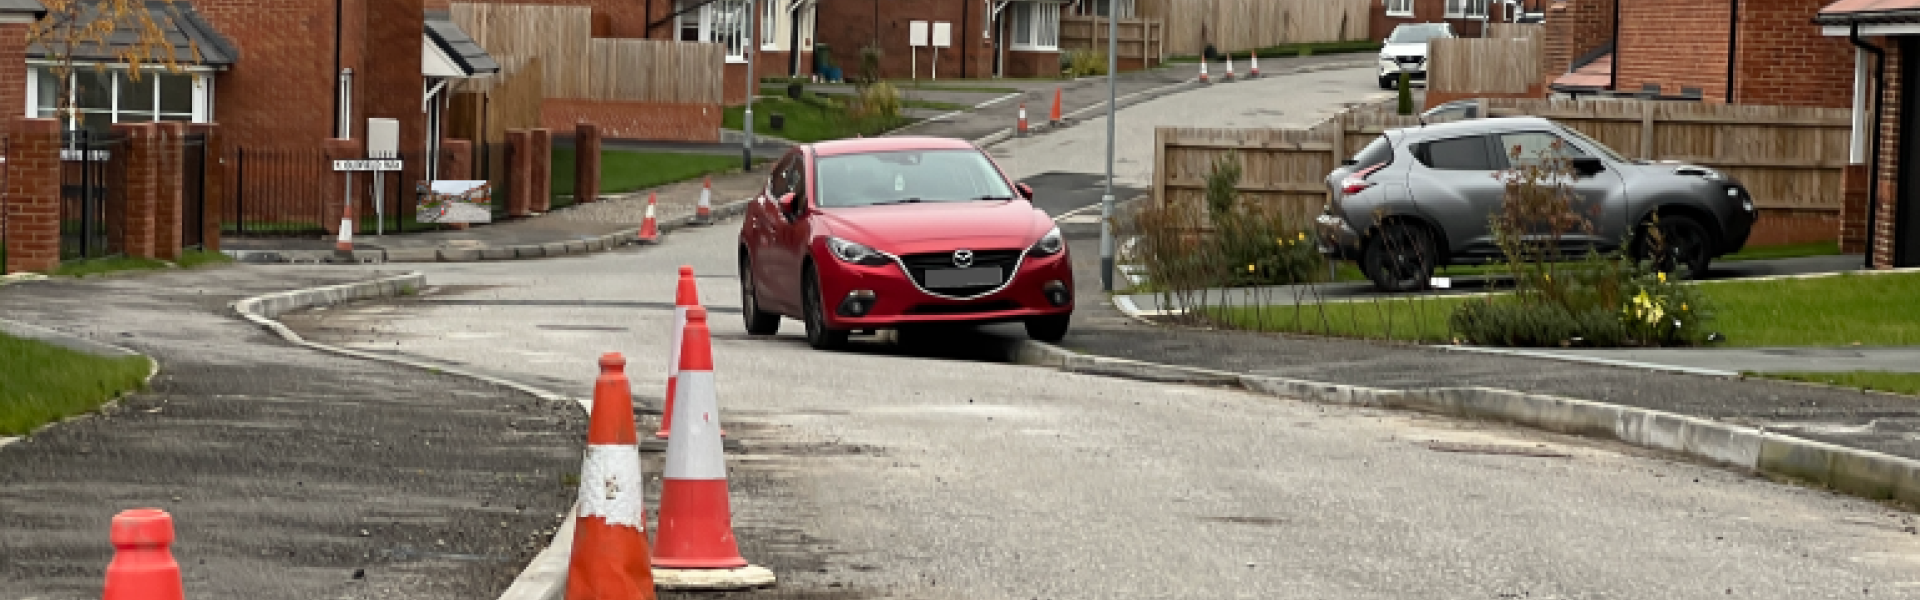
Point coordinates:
[[1588, 166], [792, 204], [1026, 191]]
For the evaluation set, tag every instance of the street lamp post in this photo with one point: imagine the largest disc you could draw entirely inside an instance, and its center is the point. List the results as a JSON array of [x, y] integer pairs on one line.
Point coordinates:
[[753, 88], [1106, 201]]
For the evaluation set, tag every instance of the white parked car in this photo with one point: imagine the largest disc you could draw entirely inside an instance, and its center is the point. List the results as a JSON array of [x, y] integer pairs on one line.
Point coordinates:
[[1405, 51]]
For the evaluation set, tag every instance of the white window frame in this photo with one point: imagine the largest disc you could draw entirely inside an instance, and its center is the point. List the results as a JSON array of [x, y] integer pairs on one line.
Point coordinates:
[[707, 19], [1405, 8], [202, 111], [1456, 9], [1041, 21], [1091, 8], [770, 18], [1476, 9]]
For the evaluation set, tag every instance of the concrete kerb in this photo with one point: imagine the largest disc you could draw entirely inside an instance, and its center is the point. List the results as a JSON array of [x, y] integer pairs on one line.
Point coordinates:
[[1863, 473], [77, 344]]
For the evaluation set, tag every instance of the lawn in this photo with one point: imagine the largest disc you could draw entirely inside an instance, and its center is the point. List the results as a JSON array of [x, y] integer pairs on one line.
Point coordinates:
[[46, 383], [623, 171], [1840, 310], [189, 259], [1898, 383], [808, 120]]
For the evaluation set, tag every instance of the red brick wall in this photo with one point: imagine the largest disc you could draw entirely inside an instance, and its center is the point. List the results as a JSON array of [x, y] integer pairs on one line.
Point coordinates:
[[1676, 43], [394, 79], [636, 120], [1785, 61], [520, 187], [586, 163], [848, 26], [1431, 11], [340, 149], [456, 159], [281, 90], [1887, 197], [1853, 209], [1047, 64], [13, 71], [33, 196], [1574, 29], [1787, 226], [168, 154], [540, 166], [139, 190]]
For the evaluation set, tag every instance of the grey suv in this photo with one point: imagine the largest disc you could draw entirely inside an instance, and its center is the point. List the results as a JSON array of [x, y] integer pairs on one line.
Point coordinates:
[[1419, 197]]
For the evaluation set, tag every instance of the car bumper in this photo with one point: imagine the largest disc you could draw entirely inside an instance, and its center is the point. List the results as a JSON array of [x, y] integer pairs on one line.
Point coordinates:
[[1738, 229], [1413, 70], [1043, 286], [1335, 238]]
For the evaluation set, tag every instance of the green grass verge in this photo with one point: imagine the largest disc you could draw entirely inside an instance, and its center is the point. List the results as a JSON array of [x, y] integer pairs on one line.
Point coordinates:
[[1290, 50], [46, 383], [1840, 310], [1898, 383], [807, 120], [625, 171], [118, 264], [1785, 251]]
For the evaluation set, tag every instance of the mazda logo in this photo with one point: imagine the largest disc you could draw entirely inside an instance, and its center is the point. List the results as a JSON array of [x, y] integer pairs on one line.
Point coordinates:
[[963, 258]]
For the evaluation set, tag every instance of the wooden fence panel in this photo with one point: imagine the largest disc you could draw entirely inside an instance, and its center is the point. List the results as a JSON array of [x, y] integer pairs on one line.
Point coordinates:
[[1483, 65], [559, 36], [656, 71], [1140, 39], [1240, 25]]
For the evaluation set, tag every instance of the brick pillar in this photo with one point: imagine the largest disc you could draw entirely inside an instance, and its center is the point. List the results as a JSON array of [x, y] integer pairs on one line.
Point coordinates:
[[138, 196], [586, 163], [33, 196], [541, 142], [213, 186], [456, 162], [520, 173], [333, 194], [1853, 209], [13, 68], [168, 197]]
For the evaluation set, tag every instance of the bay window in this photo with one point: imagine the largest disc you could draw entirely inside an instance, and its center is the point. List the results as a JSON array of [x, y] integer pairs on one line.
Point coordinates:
[[99, 98]]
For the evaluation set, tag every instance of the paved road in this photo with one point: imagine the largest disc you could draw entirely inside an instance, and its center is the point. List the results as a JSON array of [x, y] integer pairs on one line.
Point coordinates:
[[886, 472]]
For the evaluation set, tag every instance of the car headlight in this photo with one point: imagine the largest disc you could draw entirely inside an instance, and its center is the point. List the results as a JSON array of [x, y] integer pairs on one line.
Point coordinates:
[[1049, 244], [855, 253]]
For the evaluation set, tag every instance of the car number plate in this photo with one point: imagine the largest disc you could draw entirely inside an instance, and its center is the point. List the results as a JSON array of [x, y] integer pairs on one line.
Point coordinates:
[[959, 278]]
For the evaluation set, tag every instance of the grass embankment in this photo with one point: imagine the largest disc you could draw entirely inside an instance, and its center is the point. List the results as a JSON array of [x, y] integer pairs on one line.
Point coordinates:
[[625, 171], [46, 383]]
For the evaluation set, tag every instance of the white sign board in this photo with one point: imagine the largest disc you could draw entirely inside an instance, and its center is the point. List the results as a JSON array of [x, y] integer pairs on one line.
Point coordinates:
[[943, 35], [366, 165], [918, 31], [383, 138], [456, 202]]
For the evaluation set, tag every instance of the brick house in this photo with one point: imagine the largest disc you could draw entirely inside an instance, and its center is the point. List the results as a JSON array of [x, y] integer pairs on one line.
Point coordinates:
[[766, 30], [1881, 212], [1467, 17], [991, 38], [1720, 51]]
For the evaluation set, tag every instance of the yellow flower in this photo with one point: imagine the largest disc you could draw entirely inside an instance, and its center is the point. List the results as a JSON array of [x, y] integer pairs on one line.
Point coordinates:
[[1303, 236], [1663, 278], [1683, 306], [1549, 277], [1249, 268]]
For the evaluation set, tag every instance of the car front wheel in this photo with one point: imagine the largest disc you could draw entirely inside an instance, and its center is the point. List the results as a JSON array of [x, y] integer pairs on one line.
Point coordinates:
[[758, 322], [1399, 258], [1050, 329], [818, 334], [1684, 242], [1388, 83]]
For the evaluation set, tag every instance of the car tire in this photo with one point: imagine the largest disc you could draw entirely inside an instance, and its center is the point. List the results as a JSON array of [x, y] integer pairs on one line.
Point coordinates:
[[1400, 257], [1688, 244], [819, 335], [1388, 83], [757, 321], [1050, 329]]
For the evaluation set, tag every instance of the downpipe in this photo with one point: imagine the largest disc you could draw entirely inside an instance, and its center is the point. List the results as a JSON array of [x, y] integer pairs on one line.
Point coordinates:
[[1873, 138]]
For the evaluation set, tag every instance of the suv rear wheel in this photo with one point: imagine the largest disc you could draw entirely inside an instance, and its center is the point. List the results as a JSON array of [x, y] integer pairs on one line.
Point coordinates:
[[1400, 257], [1388, 83], [1684, 243]]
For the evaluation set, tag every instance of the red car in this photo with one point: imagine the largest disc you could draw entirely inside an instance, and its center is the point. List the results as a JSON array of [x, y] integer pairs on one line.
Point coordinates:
[[884, 233]]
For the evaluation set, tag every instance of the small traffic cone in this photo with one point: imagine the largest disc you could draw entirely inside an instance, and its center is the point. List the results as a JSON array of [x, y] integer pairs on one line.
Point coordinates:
[[1229, 76], [343, 245], [650, 228], [143, 567], [1023, 120], [1203, 71], [1054, 119], [1254, 71], [610, 552], [704, 214], [685, 297]]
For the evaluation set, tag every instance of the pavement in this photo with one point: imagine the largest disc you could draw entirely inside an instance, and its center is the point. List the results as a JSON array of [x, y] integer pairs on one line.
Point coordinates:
[[290, 475]]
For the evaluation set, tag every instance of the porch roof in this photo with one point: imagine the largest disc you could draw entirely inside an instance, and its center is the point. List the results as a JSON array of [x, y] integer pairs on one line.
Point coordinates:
[[17, 7], [457, 46], [185, 31], [1847, 12]]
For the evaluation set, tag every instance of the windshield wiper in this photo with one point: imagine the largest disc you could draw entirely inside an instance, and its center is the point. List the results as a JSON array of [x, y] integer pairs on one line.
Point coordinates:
[[978, 198], [900, 201]]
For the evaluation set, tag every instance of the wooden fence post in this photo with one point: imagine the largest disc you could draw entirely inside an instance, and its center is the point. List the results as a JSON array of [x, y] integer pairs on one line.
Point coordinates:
[[1646, 130]]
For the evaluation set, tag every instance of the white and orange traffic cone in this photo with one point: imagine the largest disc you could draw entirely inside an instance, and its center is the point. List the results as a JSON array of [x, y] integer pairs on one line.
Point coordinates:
[[704, 214], [695, 545], [343, 245], [686, 295], [1254, 71], [1229, 77], [650, 228], [1022, 124], [1203, 71], [1055, 118], [610, 559], [143, 567]]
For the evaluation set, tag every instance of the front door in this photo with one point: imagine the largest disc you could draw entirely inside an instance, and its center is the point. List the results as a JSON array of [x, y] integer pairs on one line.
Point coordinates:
[[1906, 209]]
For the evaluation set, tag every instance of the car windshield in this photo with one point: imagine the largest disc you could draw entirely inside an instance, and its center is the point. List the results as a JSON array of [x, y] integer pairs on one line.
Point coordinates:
[[1596, 145], [909, 176], [1416, 35]]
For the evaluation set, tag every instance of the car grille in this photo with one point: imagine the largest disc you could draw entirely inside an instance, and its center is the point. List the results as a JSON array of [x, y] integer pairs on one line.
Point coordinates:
[[1410, 60], [918, 264]]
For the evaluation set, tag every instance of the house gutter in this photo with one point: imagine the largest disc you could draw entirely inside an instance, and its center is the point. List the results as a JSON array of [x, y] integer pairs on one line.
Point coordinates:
[[1879, 115], [1733, 44], [339, 21]]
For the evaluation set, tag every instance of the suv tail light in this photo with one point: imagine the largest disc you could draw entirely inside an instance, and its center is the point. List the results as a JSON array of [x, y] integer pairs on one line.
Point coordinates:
[[1357, 182]]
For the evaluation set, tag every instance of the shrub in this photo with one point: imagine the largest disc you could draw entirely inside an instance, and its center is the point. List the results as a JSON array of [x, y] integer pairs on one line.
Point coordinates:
[[1406, 94], [1184, 249], [1086, 63]]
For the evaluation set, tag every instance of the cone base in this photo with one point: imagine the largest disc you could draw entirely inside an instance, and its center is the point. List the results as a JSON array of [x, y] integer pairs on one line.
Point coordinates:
[[699, 564], [747, 577]]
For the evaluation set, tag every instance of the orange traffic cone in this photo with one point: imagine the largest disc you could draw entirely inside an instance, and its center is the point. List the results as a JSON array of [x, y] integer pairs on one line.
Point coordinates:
[[1203, 71], [143, 567], [1254, 71], [650, 228], [610, 553], [1054, 119], [685, 297], [1023, 120], [1229, 67], [704, 214]]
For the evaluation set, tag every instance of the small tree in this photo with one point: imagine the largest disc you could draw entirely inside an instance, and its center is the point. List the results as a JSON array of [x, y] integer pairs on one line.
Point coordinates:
[[75, 26], [1406, 94]]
